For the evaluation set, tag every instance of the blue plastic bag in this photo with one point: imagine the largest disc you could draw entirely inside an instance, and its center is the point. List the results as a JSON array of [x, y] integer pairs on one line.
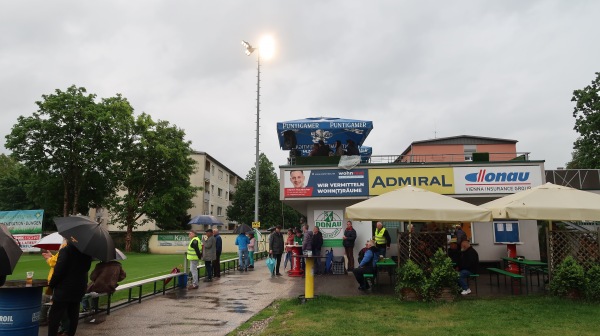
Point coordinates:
[[271, 264]]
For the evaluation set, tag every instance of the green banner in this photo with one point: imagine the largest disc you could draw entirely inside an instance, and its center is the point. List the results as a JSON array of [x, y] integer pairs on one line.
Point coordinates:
[[22, 221], [333, 242]]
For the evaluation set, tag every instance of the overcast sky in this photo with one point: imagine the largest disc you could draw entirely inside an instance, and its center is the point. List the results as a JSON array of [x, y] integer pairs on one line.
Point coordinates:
[[417, 69]]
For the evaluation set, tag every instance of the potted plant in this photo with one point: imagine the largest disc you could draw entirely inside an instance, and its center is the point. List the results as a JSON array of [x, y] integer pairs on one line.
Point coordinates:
[[442, 281], [410, 281], [568, 280]]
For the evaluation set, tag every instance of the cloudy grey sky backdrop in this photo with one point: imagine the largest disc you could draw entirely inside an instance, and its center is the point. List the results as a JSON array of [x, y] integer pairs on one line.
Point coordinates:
[[417, 69]]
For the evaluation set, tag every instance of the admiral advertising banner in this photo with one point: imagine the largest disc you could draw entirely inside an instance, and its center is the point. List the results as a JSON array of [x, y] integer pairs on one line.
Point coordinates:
[[326, 183], [496, 180], [331, 225], [439, 180], [25, 226]]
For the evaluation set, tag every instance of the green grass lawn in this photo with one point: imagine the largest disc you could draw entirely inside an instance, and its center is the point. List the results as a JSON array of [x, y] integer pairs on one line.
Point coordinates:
[[138, 266], [381, 315]]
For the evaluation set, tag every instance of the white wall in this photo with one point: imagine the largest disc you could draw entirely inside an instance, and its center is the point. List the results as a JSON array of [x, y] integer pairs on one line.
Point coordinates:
[[483, 234]]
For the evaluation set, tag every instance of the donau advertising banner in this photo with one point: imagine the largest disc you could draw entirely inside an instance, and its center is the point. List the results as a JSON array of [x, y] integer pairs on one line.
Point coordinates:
[[25, 226], [326, 183], [331, 225], [496, 180]]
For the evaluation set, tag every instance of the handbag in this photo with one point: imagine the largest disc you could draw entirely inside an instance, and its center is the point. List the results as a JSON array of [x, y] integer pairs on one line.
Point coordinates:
[[270, 264]]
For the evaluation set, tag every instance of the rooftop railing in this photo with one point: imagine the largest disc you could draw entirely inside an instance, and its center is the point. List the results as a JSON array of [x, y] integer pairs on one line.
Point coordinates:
[[416, 158]]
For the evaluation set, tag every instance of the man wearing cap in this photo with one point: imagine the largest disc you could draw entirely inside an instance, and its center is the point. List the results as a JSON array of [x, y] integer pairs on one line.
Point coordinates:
[[454, 252], [193, 256], [460, 234], [210, 254]]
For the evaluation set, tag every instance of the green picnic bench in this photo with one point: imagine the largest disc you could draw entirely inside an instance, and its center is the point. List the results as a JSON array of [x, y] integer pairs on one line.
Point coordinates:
[[514, 277]]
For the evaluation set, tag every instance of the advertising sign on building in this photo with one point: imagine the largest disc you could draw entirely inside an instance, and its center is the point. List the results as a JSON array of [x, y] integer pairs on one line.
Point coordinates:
[[173, 240], [497, 180], [331, 225], [326, 183], [25, 226], [440, 180]]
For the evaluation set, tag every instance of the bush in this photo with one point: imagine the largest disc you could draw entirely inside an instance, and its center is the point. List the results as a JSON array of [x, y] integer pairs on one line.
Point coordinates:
[[592, 290], [428, 285], [442, 276], [568, 279], [411, 276]]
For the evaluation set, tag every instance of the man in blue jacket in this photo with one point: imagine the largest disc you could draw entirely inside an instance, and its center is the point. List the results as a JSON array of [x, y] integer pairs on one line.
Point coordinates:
[[217, 262], [367, 265], [242, 242]]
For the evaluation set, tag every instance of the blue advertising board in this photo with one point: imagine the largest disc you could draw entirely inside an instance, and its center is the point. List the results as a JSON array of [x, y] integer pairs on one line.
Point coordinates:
[[326, 183]]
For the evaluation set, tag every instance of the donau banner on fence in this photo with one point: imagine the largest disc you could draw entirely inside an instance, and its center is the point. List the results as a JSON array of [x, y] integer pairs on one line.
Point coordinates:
[[25, 226]]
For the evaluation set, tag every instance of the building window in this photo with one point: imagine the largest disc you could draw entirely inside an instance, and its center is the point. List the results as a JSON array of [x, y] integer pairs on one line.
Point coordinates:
[[469, 150], [211, 209], [219, 211], [220, 192], [212, 188], [227, 195], [220, 174]]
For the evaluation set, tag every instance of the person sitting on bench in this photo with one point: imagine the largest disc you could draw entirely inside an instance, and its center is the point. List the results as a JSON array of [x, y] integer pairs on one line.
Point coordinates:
[[469, 262], [367, 265]]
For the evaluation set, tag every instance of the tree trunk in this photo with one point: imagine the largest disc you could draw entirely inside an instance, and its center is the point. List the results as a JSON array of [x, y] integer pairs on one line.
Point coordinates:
[[75, 194], [65, 198]]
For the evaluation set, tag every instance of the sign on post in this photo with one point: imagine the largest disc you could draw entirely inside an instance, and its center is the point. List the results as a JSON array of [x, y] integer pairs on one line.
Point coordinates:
[[255, 225]]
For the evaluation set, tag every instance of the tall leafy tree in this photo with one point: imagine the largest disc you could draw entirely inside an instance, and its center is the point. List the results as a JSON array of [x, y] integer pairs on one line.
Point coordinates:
[[586, 154], [155, 166], [74, 138], [271, 210]]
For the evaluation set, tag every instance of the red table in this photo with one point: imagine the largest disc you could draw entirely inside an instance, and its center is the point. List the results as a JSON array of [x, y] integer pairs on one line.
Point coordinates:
[[296, 270]]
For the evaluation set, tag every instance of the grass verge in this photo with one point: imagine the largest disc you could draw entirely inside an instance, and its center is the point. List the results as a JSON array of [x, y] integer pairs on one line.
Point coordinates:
[[380, 315]]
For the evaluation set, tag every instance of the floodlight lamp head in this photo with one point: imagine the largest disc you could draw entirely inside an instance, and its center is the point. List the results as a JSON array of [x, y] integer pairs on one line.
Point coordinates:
[[249, 49]]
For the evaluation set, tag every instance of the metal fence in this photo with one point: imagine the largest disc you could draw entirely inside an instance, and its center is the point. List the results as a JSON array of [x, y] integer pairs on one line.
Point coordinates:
[[584, 246], [420, 246]]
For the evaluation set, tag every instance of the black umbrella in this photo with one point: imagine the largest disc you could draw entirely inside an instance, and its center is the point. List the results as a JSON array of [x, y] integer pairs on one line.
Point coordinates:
[[88, 237], [205, 220], [242, 228], [10, 251]]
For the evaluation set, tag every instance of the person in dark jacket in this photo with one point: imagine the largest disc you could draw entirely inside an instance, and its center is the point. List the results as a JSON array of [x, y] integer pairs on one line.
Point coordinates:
[[352, 148], [317, 245], [217, 262], [469, 262], [68, 283], [276, 247], [454, 252], [368, 265], [348, 242]]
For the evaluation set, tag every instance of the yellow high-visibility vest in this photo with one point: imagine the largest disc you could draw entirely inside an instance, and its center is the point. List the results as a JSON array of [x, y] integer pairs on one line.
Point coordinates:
[[379, 237], [191, 253]]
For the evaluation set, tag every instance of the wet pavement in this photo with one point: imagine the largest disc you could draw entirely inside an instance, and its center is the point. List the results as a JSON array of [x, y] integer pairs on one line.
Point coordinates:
[[215, 308]]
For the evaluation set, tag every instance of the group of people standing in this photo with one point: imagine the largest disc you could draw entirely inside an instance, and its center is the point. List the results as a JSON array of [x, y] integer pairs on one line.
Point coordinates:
[[246, 243], [208, 249]]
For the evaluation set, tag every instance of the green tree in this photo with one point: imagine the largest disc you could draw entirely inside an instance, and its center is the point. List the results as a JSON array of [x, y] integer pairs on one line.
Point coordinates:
[[13, 187], [73, 138], [586, 154], [155, 168], [271, 210]]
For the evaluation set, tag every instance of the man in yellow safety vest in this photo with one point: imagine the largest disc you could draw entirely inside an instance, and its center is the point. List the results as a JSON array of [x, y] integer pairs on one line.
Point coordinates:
[[194, 255], [382, 239]]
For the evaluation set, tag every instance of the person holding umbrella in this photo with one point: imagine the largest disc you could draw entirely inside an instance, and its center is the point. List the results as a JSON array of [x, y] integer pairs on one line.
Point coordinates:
[[10, 252], [242, 242], [68, 285], [193, 256]]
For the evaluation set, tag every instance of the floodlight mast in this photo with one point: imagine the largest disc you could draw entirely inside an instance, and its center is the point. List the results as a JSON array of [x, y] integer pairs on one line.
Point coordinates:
[[249, 50]]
